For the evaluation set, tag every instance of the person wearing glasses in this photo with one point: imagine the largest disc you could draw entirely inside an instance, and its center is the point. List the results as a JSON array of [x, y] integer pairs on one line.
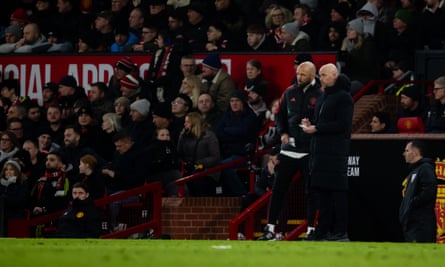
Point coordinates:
[[435, 121], [180, 106]]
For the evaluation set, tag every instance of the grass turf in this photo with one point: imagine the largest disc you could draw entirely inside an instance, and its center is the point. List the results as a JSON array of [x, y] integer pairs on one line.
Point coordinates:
[[198, 253]]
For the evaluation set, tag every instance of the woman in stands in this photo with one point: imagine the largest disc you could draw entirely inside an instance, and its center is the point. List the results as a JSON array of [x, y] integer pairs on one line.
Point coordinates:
[[92, 176], [13, 192], [192, 86], [276, 18], [198, 149]]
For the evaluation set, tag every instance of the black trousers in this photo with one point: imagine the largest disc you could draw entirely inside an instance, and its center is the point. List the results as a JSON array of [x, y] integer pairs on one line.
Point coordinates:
[[284, 171], [333, 217]]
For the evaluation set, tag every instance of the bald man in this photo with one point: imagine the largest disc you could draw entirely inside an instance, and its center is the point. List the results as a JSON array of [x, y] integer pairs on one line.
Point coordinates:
[[297, 103], [32, 38], [331, 134]]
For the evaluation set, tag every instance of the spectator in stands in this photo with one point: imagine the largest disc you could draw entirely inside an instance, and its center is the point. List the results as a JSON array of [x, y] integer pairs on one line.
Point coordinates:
[[435, 122], [232, 17], [12, 35], [49, 193], [219, 84], [55, 123], [218, 39], [90, 130], [130, 87], [333, 39], [162, 116], [81, 219], [69, 93], [141, 127], [237, 129], [16, 111], [340, 14], [430, 37], [87, 42], [256, 89], [49, 94], [331, 126], [188, 67], [136, 21], [157, 14], [129, 170], [111, 124], [100, 104], [294, 40], [92, 176], [45, 140], [15, 126], [9, 146], [208, 110], [43, 14], [123, 67], [180, 106], [359, 56], [412, 102], [277, 17], [57, 43], [192, 86], [198, 149], [297, 103], [37, 161], [417, 210], [164, 165], [13, 191], [10, 89], [308, 24], [176, 22], [258, 40], [121, 10], [380, 123], [19, 18], [196, 30], [147, 41], [123, 38], [122, 109], [402, 41], [104, 26]]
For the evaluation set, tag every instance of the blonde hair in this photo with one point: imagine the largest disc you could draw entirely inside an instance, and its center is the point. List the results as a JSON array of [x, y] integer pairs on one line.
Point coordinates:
[[196, 85], [114, 120], [287, 16], [21, 178], [197, 124]]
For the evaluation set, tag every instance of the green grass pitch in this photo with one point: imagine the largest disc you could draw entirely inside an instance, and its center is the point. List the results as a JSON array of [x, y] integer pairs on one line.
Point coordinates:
[[214, 253]]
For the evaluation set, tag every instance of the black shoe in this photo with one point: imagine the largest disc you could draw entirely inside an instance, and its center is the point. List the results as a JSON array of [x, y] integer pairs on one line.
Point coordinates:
[[339, 237], [310, 236], [267, 236]]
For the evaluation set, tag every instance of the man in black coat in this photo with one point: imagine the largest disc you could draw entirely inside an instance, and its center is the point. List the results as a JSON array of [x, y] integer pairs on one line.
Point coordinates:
[[329, 152], [416, 212]]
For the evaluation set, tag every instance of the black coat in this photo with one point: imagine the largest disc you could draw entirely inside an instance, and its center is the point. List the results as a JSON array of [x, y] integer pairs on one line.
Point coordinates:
[[330, 144], [416, 212], [81, 220]]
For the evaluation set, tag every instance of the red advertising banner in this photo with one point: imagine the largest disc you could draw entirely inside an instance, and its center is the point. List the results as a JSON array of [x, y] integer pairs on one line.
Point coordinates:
[[35, 70]]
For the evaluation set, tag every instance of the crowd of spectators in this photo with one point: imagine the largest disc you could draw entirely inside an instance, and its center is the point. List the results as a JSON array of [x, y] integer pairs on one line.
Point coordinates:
[[134, 129]]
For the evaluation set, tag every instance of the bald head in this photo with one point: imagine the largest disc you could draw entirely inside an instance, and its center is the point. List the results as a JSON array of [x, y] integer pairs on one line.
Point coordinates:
[[305, 73], [328, 75]]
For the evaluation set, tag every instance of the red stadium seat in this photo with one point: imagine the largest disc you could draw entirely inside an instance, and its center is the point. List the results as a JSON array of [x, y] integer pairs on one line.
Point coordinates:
[[410, 125]]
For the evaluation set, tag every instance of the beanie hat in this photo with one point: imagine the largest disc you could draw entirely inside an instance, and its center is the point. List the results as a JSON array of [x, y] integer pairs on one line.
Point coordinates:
[[68, 80], [198, 7], [343, 9], [129, 81], [292, 28], [212, 61], [187, 100], [108, 15], [142, 106], [411, 91], [259, 88], [20, 15], [238, 94], [54, 87], [125, 64], [14, 30], [356, 25], [15, 163], [124, 101], [86, 109], [403, 15]]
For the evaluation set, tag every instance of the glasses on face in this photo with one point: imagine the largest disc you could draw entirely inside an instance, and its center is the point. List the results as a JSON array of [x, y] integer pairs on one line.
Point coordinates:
[[277, 15], [5, 139], [177, 103]]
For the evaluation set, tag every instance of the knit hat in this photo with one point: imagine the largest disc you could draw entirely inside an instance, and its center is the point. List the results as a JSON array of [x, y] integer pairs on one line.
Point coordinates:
[[85, 109], [259, 88], [292, 28], [187, 100], [199, 7], [14, 30], [343, 9], [15, 163], [212, 61], [142, 106], [108, 15], [68, 80], [238, 94], [124, 101], [412, 91], [54, 87], [403, 15], [356, 25], [20, 15], [125, 64], [129, 81], [44, 130]]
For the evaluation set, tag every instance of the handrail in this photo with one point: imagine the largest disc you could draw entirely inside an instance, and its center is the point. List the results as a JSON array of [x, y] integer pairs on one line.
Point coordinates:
[[248, 214], [154, 187]]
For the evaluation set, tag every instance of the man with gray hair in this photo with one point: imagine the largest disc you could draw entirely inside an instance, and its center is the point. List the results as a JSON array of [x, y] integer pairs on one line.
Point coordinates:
[[435, 120]]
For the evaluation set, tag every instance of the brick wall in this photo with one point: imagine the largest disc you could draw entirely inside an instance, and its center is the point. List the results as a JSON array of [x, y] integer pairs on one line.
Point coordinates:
[[199, 217]]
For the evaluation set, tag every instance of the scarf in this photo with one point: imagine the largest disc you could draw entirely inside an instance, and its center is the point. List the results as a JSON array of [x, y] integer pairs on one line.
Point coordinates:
[[6, 182]]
